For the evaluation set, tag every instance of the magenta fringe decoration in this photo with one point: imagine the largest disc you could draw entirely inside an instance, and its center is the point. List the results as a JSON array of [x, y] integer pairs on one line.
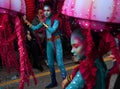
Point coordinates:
[[7, 52], [30, 9], [25, 66], [116, 52]]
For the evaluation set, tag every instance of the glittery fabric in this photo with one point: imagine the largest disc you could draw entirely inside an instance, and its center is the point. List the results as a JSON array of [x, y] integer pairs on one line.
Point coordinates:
[[92, 13], [17, 5], [7, 37], [25, 66], [93, 9], [77, 83]]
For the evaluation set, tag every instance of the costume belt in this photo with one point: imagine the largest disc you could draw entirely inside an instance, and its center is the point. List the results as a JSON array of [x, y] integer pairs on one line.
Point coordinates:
[[53, 38]]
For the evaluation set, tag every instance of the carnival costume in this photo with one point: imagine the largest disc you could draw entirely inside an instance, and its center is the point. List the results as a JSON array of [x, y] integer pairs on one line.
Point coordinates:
[[54, 45], [78, 82], [92, 17]]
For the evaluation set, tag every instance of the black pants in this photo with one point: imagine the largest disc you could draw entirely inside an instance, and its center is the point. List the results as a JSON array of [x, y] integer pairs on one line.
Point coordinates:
[[34, 54]]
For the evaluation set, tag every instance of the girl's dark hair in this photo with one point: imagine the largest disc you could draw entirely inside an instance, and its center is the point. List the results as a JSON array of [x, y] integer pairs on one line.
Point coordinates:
[[79, 34], [95, 36]]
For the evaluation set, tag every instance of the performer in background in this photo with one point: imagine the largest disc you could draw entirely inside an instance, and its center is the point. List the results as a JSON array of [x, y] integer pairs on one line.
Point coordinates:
[[34, 51], [54, 45]]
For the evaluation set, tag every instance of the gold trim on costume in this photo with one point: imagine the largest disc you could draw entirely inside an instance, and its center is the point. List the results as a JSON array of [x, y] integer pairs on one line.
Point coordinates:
[[28, 23], [69, 78], [56, 37]]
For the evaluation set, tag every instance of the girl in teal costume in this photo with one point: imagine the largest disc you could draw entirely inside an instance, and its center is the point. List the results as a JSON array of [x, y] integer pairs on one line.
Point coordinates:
[[78, 82], [54, 45]]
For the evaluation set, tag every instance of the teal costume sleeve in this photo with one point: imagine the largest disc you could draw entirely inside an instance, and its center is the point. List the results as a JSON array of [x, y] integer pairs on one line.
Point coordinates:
[[36, 27], [54, 27], [77, 83]]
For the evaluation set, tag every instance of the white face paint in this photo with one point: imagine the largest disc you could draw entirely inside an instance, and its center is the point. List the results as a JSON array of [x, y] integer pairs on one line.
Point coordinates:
[[47, 11], [77, 47]]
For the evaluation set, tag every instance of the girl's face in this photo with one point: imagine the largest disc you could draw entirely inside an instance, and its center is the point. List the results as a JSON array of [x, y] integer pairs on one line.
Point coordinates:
[[47, 11], [77, 47]]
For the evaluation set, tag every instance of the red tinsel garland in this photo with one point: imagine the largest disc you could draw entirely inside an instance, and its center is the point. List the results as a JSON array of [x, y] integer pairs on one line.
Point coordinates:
[[7, 48], [88, 71], [64, 20], [41, 4], [25, 66], [67, 28], [30, 9], [110, 41], [7, 52]]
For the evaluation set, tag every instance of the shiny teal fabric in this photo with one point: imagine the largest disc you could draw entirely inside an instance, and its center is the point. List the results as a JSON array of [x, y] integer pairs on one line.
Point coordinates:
[[53, 47], [101, 74], [77, 83]]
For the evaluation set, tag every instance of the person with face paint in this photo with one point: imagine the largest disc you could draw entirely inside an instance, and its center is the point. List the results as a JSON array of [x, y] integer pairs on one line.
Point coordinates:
[[76, 79], [54, 45]]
